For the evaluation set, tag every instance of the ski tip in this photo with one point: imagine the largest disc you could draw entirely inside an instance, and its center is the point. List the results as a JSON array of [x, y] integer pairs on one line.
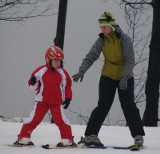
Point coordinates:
[[46, 146], [12, 145], [19, 146]]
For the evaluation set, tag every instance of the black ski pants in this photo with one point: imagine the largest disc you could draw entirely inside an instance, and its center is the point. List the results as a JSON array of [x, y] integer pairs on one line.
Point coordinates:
[[107, 90]]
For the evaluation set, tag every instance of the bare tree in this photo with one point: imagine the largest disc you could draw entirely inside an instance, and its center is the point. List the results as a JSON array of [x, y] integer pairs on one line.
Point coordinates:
[[150, 117], [21, 10]]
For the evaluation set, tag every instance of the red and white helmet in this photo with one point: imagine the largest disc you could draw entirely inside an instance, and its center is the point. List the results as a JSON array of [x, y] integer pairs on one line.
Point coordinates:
[[55, 53]]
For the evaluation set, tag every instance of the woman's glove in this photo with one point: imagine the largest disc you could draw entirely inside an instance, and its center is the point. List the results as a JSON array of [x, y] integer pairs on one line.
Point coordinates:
[[78, 76], [123, 83]]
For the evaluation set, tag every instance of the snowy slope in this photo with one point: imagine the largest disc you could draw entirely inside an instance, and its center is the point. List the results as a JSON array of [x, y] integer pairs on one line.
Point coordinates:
[[48, 133]]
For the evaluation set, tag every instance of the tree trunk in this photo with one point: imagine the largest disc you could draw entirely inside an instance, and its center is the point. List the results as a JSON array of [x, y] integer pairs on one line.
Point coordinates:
[[150, 117], [59, 40]]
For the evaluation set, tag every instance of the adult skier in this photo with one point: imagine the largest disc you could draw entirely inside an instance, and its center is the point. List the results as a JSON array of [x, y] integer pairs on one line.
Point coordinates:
[[116, 74]]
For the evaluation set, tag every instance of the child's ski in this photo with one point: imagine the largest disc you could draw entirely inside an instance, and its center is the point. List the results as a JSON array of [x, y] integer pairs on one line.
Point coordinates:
[[50, 146], [18, 145]]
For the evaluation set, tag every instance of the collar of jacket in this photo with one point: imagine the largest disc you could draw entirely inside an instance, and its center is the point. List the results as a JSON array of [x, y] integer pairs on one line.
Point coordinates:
[[117, 32]]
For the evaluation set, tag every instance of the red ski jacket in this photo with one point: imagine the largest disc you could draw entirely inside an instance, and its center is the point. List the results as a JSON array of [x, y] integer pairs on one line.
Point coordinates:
[[53, 85]]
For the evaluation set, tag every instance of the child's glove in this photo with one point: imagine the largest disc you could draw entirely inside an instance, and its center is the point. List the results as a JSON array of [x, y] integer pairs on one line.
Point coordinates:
[[33, 80], [78, 76], [66, 103], [123, 83]]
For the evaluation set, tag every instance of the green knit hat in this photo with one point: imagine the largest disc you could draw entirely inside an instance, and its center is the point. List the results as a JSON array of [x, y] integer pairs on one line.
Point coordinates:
[[106, 19]]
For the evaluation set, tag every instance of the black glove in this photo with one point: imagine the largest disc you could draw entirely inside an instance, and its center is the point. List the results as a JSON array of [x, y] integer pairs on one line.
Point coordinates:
[[33, 80], [78, 76], [66, 103], [123, 83]]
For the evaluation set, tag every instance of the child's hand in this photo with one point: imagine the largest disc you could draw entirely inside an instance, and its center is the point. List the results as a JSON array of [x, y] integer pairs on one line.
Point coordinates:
[[33, 80], [66, 103]]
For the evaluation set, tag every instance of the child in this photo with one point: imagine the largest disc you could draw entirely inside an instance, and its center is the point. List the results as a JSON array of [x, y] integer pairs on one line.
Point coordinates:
[[53, 92]]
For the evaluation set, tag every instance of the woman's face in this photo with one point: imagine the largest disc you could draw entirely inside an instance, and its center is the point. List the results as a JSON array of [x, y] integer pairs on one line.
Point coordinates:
[[56, 63], [106, 30]]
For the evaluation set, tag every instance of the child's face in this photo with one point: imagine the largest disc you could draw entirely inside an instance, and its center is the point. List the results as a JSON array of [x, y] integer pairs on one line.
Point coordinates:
[[106, 30], [56, 63]]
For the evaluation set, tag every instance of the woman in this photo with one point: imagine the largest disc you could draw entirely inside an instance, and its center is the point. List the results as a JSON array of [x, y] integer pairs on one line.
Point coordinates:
[[117, 73]]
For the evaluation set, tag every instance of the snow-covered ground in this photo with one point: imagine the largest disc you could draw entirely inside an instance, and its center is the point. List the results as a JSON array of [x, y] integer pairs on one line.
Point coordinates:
[[48, 133]]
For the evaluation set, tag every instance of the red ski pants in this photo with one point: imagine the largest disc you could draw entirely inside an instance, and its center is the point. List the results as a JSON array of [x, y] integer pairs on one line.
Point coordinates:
[[37, 115]]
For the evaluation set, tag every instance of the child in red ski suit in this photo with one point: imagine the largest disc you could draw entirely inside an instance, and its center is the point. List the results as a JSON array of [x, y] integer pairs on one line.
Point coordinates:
[[53, 92]]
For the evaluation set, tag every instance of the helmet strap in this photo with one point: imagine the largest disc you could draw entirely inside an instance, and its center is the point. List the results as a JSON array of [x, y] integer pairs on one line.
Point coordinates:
[[50, 64]]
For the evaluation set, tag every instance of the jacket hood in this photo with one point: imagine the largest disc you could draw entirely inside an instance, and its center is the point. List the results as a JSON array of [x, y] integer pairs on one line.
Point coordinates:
[[118, 29]]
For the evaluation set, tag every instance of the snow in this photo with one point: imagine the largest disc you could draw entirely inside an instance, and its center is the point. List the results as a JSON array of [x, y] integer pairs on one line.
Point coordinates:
[[48, 133]]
